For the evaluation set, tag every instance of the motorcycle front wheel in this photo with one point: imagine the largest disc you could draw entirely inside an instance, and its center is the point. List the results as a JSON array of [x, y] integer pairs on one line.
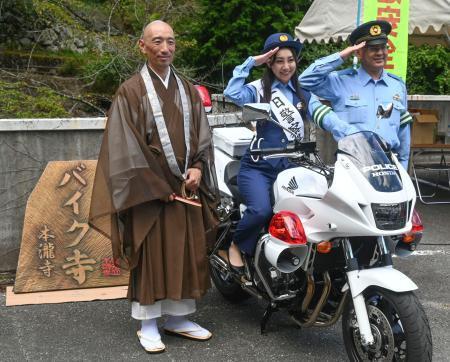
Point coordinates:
[[399, 326]]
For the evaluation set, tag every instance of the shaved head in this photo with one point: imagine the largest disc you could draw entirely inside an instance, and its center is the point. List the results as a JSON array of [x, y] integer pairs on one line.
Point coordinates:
[[155, 26], [158, 45]]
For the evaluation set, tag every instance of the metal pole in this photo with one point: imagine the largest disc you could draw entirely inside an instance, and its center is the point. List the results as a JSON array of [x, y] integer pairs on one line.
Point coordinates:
[[358, 16], [358, 20]]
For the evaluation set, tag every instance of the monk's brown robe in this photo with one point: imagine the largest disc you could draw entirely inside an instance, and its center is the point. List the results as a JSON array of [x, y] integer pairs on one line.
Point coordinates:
[[163, 243]]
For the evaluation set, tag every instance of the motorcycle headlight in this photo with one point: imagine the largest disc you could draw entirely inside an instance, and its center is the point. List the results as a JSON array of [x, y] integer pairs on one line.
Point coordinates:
[[390, 216]]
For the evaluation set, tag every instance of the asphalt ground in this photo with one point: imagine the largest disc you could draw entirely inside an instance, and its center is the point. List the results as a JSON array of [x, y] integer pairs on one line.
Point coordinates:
[[104, 330]]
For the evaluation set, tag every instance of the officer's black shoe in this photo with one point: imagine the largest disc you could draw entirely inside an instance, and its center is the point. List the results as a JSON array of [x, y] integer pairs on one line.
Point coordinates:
[[238, 271]]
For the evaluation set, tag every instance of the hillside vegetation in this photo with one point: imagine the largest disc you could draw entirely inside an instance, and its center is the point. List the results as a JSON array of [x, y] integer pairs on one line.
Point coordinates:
[[66, 58]]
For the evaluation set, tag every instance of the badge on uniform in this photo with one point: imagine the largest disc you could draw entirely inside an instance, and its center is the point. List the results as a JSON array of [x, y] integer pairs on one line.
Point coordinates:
[[375, 30], [354, 97], [396, 97]]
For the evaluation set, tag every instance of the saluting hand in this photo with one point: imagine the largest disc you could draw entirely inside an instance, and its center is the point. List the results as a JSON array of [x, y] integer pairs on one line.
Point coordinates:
[[266, 57], [349, 50], [193, 177]]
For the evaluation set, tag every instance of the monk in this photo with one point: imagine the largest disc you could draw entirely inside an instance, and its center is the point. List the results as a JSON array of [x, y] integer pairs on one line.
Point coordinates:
[[155, 191]]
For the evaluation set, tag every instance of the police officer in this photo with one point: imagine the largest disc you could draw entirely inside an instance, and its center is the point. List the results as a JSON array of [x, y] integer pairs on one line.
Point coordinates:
[[290, 105], [356, 94]]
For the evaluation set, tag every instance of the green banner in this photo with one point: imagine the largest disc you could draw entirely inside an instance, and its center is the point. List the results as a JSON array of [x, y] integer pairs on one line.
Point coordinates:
[[395, 12]]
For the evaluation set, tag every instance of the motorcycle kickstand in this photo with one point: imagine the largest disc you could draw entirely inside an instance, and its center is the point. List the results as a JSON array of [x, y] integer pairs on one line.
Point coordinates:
[[271, 308]]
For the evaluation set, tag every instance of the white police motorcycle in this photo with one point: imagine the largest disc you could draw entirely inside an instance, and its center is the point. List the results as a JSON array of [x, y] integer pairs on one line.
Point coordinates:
[[327, 251]]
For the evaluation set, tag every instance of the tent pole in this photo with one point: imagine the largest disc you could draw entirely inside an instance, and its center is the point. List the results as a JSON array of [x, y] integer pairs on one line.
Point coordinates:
[[358, 20], [358, 15]]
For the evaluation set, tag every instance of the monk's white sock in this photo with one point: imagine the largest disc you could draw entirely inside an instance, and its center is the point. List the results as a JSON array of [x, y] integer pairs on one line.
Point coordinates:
[[149, 329], [181, 324]]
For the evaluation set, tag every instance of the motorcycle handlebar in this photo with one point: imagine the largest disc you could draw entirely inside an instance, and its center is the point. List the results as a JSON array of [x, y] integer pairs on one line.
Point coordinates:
[[305, 147]]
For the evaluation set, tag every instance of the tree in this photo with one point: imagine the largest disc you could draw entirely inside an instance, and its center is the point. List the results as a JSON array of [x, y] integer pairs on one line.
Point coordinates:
[[226, 33], [428, 70]]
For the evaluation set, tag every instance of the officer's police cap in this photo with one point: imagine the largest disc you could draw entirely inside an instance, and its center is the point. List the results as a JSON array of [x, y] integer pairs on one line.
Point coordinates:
[[282, 40], [372, 32]]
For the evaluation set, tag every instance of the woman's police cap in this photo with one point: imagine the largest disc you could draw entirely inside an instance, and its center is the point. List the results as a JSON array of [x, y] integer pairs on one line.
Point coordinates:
[[372, 32], [282, 40]]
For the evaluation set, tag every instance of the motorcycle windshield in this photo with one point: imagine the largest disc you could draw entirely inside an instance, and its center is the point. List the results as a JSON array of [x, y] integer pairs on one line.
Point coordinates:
[[372, 158]]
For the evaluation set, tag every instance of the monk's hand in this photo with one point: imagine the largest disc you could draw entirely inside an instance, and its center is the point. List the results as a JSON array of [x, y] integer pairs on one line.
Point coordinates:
[[351, 49], [193, 177], [266, 57]]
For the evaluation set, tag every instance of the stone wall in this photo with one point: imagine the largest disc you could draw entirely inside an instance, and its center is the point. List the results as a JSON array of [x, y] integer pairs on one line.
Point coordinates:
[[24, 28]]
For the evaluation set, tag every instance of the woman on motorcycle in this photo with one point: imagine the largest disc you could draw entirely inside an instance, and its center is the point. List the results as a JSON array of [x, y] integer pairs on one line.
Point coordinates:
[[280, 87]]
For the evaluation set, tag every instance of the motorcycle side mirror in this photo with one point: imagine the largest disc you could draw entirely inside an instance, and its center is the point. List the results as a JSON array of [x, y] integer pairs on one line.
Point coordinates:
[[256, 112], [384, 111]]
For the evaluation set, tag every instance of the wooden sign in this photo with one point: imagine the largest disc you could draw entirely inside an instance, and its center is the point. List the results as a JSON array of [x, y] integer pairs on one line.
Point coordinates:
[[59, 250], [63, 296]]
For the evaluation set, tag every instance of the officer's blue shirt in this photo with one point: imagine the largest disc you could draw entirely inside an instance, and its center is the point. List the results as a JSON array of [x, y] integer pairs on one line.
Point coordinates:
[[355, 97], [241, 93]]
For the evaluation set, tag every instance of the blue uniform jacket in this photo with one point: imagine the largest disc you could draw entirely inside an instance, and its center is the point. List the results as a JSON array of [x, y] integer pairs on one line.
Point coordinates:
[[355, 97], [241, 93]]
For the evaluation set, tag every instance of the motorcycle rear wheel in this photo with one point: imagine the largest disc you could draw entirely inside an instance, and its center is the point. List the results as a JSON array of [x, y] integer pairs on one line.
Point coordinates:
[[399, 326], [227, 286]]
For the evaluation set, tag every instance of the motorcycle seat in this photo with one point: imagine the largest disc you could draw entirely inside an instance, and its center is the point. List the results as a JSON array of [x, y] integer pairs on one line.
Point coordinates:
[[230, 177]]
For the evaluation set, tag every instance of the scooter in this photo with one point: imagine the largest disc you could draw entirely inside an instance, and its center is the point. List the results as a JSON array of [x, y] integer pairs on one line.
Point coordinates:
[[327, 251]]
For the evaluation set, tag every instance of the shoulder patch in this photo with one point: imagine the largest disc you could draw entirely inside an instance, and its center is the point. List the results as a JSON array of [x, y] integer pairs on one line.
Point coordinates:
[[395, 77]]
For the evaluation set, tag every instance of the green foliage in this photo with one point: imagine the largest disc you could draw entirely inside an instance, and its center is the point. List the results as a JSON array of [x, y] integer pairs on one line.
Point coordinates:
[[52, 12], [14, 13], [107, 72], [311, 52], [428, 70], [133, 15], [72, 65], [212, 38], [20, 101], [66, 62], [226, 33]]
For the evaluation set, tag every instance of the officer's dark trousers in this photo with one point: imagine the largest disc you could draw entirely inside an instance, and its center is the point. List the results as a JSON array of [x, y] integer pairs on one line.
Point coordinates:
[[255, 182]]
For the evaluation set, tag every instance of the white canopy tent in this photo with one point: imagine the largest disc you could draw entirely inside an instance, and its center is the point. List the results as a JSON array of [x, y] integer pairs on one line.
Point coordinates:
[[429, 21]]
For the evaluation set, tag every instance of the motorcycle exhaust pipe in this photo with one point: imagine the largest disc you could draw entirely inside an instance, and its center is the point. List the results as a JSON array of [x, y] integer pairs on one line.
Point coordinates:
[[286, 258]]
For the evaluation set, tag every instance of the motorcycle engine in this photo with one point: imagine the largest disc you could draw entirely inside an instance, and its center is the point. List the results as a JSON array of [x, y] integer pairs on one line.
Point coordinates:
[[278, 282]]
